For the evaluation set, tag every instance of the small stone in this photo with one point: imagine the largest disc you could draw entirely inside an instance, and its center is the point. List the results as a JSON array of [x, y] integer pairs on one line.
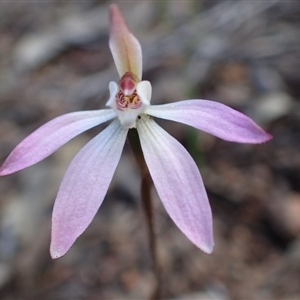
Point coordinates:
[[272, 106], [284, 215]]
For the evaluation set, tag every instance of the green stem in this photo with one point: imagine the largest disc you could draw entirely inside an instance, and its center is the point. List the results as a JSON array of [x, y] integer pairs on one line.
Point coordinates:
[[146, 185]]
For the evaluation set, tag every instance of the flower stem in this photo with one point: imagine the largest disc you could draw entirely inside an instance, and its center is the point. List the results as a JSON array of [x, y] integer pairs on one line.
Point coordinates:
[[146, 185]]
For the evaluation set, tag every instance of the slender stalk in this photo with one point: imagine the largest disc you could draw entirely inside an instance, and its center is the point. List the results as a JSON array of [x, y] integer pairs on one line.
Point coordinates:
[[146, 185]]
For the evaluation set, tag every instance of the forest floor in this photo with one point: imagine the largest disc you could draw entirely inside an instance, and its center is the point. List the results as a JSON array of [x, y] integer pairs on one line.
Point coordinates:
[[54, 59]]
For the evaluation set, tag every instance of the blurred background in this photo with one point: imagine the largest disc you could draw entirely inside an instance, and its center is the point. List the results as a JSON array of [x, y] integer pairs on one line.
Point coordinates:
[[54, 59]]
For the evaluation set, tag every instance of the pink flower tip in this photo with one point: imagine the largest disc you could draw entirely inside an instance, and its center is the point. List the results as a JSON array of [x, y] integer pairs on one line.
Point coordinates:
[[208, 249], [3, 171], [57, 251], [267, 138]]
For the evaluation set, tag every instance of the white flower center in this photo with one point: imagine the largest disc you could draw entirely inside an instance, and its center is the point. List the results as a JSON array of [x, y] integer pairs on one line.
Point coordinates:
[[129, 99]]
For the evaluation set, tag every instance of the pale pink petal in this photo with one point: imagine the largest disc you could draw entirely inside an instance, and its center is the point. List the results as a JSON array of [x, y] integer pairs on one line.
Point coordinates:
[[214, 118], [125, 48], [178, 183], [51, 136], [84, 187]]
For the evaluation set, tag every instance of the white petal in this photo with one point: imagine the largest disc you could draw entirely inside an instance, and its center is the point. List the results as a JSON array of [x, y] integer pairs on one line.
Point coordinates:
[[124, 46], [113, 90], [178, 183], [144, 90], [84, 187]]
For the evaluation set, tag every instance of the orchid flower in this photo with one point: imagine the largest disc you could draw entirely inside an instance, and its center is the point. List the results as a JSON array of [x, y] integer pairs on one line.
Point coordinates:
[[173, 171]]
